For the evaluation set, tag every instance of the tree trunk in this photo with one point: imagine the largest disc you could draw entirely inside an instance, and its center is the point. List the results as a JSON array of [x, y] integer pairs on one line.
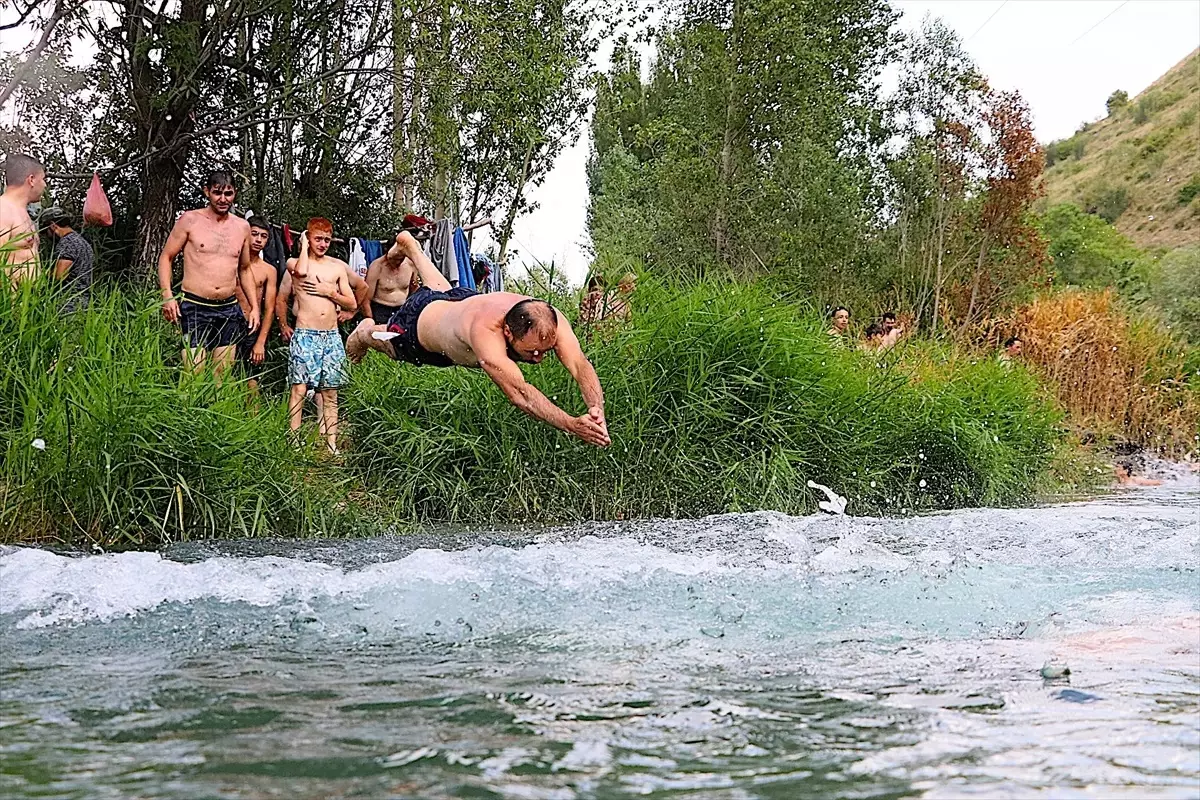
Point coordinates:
[[721, 218], [401, 163], [511, 217], [163, 177], [975, 282]]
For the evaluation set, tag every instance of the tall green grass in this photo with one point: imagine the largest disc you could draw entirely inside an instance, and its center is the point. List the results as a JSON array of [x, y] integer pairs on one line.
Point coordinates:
[[136, 452], [718, 396]]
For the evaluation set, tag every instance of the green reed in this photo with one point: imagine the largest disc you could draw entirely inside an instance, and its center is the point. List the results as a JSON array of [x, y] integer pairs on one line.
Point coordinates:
[[719, 398]]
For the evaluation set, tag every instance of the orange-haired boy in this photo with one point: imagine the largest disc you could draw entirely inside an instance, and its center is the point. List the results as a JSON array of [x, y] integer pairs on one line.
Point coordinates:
[[317, 357]]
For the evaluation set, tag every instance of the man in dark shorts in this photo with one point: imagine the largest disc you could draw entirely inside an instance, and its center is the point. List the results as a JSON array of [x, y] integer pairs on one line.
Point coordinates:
[[443, 327], [216, 268]]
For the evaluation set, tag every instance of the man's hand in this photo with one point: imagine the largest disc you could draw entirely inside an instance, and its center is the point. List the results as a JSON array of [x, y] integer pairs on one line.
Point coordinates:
[[258, 354], [170, 311], [304, 242], [592, 428], [319, 288], [286, 332], [345, 316], [253, 320]]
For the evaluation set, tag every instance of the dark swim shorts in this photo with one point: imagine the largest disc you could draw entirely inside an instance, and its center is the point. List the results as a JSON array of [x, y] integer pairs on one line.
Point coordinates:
[[245, 349], [404, 322], [209, 324], [382, 313]]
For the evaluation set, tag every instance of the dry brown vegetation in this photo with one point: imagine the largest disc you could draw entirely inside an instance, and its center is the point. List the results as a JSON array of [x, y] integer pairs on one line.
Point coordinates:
[[1114, 374]]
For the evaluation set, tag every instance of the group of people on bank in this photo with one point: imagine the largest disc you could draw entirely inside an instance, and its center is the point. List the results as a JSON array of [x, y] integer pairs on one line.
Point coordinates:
[[883, 334], [230, 298]]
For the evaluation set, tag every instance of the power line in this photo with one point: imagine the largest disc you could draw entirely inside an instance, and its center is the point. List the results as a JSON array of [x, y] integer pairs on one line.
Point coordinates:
[[1089, 30], [986, 21]]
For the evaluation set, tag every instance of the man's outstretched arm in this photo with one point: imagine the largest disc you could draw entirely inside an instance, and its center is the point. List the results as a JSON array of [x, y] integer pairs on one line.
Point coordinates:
[[572, 357], [507, 375]]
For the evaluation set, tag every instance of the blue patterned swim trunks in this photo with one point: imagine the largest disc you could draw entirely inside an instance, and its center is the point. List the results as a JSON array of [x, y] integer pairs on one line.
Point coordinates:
[[318, 359]]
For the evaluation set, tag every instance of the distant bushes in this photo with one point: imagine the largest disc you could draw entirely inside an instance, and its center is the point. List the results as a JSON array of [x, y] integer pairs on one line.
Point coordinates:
[[1107, 202], [1188, 191]]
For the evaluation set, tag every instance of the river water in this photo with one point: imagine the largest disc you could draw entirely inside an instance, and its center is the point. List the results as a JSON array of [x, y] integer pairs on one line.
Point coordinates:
[[740, 656]]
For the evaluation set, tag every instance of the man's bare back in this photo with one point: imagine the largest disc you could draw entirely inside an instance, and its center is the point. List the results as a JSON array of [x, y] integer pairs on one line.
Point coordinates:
[[458, 329], [492, 332], [18, 238]]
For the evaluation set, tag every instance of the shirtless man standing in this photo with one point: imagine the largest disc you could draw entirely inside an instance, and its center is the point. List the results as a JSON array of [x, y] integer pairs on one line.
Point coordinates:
[[446, 327], [252, 350], [388, 286], [216, 262], [317, 357], [24, 183]]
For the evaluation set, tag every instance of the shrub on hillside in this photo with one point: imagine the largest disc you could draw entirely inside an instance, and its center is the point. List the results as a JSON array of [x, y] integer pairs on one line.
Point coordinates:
[[1116, 101], [1087, 250], [1188, 191], [1176, 290], [1108, 202]]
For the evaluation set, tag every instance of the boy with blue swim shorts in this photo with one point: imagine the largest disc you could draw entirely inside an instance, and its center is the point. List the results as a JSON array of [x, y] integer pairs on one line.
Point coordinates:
[[317, 357]]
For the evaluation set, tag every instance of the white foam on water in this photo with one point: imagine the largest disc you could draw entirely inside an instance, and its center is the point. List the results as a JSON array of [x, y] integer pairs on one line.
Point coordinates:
[[715, 576]]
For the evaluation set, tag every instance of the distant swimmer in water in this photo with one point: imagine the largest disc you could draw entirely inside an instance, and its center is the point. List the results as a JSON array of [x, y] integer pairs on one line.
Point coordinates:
[[442, 326], [1124, 469]]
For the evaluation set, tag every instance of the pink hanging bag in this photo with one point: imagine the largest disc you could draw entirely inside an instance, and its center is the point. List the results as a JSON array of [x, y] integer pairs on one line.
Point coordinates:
[[96, 210]]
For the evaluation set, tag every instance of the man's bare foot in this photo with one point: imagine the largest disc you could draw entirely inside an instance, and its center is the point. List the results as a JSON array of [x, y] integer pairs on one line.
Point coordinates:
[[359, 341]]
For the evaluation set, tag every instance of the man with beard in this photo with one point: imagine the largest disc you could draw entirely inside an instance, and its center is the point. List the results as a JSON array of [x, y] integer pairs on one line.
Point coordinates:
[[445, 327], [217, 273]]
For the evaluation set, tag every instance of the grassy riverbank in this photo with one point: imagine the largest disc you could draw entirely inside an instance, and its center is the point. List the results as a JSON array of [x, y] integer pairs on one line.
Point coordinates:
[[719, 398]]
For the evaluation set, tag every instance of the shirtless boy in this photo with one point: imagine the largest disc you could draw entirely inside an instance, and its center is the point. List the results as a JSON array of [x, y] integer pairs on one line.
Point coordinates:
[[24, 183], [285, 296], [252, 349], [216, 266], [388, 286], [317, 357], [445, 327]]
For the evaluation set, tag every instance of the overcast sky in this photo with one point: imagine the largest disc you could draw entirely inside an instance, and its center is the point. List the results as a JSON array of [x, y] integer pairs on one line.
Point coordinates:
[[1065, 57]]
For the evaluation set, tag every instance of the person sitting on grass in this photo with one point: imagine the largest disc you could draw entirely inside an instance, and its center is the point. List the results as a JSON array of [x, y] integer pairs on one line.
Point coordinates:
[[879, 340], [445, 327], [317, 357]]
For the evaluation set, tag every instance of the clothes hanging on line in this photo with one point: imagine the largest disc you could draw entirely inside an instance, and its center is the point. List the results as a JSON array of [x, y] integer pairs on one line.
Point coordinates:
[[462, 258], [372, 250], [358, 258], [275, 253], [486, 273], [287, 238], [440, 250]]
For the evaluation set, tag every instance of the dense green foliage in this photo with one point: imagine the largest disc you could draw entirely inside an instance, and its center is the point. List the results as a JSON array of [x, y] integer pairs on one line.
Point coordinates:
[[1088, 251], [718, 397], [746, 150]]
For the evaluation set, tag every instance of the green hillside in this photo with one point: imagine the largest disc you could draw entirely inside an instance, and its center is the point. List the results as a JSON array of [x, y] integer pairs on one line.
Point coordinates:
[[1139, 167]]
